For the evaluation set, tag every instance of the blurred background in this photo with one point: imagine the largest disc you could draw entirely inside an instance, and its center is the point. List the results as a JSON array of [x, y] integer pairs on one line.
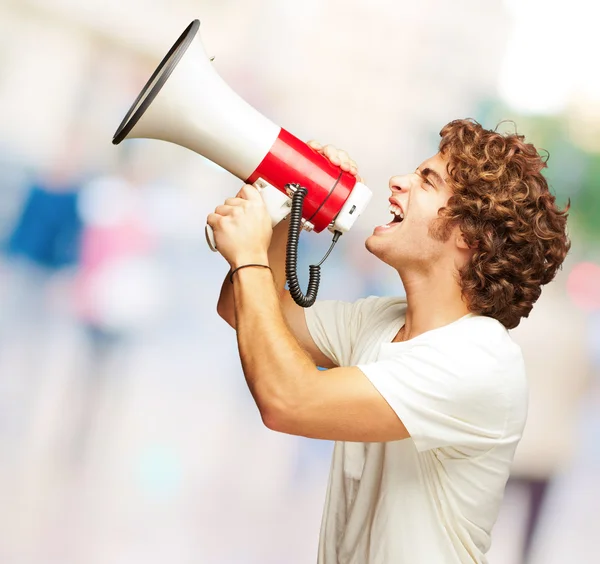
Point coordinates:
[[127, 433]]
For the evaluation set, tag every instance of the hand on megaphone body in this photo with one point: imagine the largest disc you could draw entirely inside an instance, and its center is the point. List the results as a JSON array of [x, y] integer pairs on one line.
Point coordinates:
[[250, 193], [242, 228], [336, 156]]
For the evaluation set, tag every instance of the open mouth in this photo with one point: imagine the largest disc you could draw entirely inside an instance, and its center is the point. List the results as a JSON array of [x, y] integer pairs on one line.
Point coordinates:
[[397, 217], [397, 213]]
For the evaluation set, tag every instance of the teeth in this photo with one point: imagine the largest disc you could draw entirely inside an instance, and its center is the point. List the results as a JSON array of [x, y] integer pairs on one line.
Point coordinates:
[[396, 210]]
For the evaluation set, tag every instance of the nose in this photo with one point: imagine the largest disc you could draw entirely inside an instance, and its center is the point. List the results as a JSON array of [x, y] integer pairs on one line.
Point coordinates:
[[401, 183]]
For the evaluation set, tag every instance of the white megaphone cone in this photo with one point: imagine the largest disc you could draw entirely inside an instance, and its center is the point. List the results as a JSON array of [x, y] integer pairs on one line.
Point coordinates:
[[187, 103]]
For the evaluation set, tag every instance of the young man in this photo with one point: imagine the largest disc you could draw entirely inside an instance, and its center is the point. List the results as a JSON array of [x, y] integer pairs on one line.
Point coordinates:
[[426, 395]]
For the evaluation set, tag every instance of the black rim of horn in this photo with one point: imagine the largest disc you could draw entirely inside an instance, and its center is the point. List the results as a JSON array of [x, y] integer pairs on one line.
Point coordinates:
[[166, 67]]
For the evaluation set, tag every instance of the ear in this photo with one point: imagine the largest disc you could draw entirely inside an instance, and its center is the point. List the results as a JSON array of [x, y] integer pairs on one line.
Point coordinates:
[[460, 240]]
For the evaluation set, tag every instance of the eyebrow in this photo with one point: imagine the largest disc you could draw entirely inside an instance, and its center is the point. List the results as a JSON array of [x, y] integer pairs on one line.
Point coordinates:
[[430, 172]]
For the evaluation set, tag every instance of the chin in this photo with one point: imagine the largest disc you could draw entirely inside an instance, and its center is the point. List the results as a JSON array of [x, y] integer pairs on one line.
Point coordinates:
[[376, 246], [386, 249], [371, 243]]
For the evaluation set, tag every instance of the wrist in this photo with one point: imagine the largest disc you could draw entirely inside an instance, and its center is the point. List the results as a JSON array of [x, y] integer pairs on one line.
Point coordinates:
[[256, 258], [256, 266]]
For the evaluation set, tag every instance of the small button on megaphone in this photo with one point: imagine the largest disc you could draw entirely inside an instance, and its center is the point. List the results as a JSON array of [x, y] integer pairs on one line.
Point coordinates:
[[187, 103]]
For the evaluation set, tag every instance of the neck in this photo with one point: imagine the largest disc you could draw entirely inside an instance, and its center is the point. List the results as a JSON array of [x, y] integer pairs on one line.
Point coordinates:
[[434, 299]]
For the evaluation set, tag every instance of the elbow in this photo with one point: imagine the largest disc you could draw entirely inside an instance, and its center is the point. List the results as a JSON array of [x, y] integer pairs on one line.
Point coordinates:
[[226, 315], [278, 415], [284, 409], [269, 419], [273, 420]]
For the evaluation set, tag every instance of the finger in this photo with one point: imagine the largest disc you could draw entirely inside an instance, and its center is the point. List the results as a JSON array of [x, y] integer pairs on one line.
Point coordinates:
[[234, 201], [348, 163], [332, 154], [214, 220], [243, 190], [343, 156], [315, 145], [345, 161], [225, 210], [250, 193]]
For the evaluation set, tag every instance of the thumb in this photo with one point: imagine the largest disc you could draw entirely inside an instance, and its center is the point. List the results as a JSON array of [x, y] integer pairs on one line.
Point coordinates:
[[250, 192]]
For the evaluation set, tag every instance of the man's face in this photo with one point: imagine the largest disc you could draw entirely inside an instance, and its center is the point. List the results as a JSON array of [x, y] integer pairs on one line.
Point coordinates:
[[418, 196]]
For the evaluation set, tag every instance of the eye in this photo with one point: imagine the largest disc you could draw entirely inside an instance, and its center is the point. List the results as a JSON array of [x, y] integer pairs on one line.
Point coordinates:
[[424, 179]]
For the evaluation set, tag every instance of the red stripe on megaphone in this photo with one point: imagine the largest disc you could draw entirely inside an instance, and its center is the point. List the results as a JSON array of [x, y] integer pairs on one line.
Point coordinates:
[[292, 161]]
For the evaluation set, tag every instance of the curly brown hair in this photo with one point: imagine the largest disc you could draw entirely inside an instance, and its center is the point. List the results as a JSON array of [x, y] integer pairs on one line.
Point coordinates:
[[508, 217]]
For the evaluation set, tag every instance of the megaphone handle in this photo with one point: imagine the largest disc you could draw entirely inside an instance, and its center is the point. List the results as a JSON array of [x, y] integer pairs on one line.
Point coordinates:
[[210, 238]]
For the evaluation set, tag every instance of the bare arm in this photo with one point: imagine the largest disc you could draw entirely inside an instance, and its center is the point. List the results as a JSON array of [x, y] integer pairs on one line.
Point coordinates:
[[278, 355], [226, 306], [292, 395], [292, 312]]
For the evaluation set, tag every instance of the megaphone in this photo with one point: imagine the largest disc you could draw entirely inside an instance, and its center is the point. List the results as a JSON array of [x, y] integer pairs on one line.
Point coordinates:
[[187, 103]]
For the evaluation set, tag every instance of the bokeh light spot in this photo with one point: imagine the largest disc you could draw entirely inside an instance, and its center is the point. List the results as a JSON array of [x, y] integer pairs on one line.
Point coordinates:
[[583, 286]]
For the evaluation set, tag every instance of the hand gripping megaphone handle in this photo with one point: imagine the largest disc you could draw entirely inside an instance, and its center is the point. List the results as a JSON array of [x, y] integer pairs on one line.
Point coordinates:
[[278, 205]]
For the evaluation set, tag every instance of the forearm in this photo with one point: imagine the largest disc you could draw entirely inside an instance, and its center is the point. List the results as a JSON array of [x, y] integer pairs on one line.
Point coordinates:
[[276, 260], [276, 368]]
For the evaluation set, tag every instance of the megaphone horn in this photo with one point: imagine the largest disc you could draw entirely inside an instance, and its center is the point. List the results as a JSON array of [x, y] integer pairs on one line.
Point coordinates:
[[187, 103]]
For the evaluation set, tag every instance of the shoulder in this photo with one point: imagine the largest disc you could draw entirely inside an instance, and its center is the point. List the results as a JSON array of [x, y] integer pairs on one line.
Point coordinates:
[[361, 310], [488, 339], [375, 315], [392, 306], [479, 352], [482, 335]]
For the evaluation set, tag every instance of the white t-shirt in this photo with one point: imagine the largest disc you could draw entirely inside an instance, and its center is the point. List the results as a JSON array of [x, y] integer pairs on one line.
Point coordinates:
[[461, 393]]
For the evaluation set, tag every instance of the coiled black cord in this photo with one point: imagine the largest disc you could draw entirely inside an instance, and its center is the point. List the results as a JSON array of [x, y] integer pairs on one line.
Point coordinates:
[[291, 263]]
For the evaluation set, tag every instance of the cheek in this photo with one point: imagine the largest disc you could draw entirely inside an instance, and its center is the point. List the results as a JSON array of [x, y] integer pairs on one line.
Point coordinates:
[[427, 221], [418, 227]]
